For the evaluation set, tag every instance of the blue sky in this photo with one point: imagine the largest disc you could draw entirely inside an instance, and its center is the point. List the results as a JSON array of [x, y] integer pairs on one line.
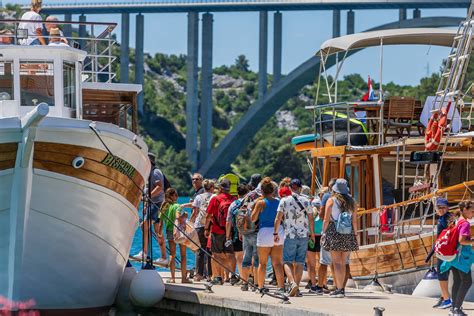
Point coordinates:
[[303, 32]]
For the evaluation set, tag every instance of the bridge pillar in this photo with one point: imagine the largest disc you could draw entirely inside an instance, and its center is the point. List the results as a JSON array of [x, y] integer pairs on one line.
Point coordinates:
[[206, 87], [68, 27], [192, 89], [350, 22], [124, 48], [402, 14], [82, 31], [263, 54], [336, 23], [416, 14], [139, 57], [277, 46]]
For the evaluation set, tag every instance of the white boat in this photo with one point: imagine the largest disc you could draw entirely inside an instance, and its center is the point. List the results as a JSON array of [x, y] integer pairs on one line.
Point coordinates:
[[69, 187]]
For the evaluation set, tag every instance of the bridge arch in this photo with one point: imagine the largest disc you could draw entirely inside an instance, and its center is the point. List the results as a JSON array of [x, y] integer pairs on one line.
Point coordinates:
[[264, 108]]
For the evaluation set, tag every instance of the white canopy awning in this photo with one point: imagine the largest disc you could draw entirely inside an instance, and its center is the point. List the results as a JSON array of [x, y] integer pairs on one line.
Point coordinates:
[[408, 36]]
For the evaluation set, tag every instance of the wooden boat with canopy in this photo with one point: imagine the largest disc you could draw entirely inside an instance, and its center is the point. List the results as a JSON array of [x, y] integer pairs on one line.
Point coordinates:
[[380, 146]]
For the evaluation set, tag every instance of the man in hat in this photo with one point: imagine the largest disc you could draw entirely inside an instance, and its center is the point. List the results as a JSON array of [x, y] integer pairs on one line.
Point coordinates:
[[444, 220], [55, 38], [52, 23], [35, 29], [156, 183], [216, 228], [295, 211]]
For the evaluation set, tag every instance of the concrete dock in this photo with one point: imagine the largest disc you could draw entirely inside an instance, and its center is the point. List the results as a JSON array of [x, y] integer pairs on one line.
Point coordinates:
[[230, 300]]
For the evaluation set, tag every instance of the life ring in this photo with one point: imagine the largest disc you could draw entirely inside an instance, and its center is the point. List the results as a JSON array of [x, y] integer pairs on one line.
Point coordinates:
[[435, 129]]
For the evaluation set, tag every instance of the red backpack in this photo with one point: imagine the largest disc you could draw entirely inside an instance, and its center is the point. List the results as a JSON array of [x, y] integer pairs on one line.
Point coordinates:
[[446, 245], [221, 218]]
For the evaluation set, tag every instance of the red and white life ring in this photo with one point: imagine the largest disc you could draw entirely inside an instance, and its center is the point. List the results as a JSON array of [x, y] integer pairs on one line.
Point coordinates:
[[435, 129]]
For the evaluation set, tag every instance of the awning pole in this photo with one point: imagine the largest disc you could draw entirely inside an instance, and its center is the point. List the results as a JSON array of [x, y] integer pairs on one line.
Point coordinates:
[[381, 69]]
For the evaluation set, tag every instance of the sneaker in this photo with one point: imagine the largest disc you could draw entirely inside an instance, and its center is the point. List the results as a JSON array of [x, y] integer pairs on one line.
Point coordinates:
[[217, 281], [338, 293], [244, 287], [162, 262], [263, 290], [293, 289], [438, 303], [445, 304], [280, 292], [140, 255], [457, 311], [298, 293], [233, 280], [316, 290], [326, 290]]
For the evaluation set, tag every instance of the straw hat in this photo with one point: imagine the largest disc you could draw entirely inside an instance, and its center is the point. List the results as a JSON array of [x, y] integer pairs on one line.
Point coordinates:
[[54, 32], [36, 3]]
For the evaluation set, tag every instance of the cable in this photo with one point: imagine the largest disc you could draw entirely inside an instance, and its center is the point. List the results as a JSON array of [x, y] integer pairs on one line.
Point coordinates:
[[282, 297]]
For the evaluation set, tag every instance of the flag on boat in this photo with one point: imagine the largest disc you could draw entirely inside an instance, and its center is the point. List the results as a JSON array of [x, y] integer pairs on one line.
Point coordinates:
[[369, 96]]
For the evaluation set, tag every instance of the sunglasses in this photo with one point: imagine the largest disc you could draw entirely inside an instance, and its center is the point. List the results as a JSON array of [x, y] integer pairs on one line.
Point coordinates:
[[195, 179]]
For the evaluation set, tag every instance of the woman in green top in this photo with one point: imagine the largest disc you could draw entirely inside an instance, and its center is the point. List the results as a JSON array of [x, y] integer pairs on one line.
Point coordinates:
[[168, 213]]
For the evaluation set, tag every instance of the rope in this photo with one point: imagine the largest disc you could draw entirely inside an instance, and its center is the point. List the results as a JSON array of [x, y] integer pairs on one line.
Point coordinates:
[[282, 297]]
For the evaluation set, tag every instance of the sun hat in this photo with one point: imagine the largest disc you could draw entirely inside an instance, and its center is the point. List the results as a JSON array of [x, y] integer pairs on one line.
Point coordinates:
[[340, 186], [442, 202], [54, 32]]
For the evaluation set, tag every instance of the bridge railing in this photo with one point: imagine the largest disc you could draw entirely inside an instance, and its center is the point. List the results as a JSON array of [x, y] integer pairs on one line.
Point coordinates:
[[93, 37]]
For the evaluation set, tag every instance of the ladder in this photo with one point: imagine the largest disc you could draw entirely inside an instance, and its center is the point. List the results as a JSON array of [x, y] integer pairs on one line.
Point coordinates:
[[452, 77]]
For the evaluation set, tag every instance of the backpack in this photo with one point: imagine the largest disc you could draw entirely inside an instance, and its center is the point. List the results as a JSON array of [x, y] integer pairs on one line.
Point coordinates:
[[447, 243], [203, 209], [235, 213], [344, 223], [244, 223], [221, 218], [166, 183]]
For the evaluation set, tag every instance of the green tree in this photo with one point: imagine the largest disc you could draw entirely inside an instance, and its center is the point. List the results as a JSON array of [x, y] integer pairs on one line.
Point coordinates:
[[242, 63]]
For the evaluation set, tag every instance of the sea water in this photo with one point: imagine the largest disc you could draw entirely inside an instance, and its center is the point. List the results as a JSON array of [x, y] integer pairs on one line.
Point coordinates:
[[138, 244]]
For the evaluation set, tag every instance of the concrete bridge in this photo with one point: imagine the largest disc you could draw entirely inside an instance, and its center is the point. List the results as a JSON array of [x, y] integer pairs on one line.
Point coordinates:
[[199, 112]]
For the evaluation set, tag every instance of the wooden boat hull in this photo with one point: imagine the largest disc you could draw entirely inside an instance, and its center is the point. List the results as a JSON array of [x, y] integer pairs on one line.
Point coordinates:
[[68, 246]]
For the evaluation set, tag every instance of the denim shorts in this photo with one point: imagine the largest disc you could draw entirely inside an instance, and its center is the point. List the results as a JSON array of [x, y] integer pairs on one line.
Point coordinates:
[[294, 250], [325, 257], [155, 208], [250, 250]]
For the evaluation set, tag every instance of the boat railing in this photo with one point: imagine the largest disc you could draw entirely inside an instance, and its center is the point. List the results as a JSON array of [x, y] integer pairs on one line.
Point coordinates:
[[96, 38], [334, 118]]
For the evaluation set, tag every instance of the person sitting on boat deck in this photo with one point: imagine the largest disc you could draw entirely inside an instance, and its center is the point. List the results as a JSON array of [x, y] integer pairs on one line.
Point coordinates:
[[248, 230], [215, 228], [169, 211], [200, 204], [461, 266], [295, 211], [314, 248], [51, 22], [55, 38], [157, 186], [339, 237], [34, 29], [444, 220], [265, 212], [232, 233]]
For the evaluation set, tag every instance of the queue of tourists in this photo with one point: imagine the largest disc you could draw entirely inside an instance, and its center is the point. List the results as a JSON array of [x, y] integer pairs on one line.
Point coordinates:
[[240, 228]]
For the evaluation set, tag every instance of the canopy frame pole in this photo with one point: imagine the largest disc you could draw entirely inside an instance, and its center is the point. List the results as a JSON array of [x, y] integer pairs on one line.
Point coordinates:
[[323, 63], [336, 77], [381, 102]]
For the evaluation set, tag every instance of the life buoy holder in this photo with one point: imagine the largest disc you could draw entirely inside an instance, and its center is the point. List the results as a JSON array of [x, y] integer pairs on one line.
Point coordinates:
[[436, 127]]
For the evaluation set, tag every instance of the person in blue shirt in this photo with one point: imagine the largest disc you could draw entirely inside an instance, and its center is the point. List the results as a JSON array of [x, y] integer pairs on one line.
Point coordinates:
[[444, 219], [461, 265]]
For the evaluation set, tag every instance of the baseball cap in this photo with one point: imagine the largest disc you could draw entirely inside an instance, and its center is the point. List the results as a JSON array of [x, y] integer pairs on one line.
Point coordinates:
[[296, 182], [224, 185], [442, 202]]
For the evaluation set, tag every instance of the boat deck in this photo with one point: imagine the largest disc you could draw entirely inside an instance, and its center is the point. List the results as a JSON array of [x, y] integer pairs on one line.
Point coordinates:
[[230, 300]]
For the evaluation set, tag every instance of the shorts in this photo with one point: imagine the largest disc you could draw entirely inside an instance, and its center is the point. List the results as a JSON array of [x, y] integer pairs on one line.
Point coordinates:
[[250, 250], [155, 209], [294, 250], [265, 237], [325, 257], [218, 244], [441, 276], [237, 245], [317, 244]]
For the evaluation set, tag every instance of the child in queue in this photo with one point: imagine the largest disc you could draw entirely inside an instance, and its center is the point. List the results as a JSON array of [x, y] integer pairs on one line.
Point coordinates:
[[169, 212]]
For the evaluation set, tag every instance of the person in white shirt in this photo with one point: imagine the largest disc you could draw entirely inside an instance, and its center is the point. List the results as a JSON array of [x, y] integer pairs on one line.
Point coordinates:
[[35, 36], [55, 38]]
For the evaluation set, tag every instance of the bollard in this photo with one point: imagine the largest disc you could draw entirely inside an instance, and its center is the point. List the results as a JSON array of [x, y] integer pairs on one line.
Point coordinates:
[[378, 311]]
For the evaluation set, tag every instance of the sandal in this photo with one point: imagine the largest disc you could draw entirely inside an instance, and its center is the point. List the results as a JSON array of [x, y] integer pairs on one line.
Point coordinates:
[[186, 281]]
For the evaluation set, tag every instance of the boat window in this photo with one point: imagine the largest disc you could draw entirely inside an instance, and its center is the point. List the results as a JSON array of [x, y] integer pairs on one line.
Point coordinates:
[[69, 85], [36, 82], [6, 80]]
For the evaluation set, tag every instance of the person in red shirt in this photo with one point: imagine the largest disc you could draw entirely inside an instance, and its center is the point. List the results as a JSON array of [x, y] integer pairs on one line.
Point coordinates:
[[215, 227]]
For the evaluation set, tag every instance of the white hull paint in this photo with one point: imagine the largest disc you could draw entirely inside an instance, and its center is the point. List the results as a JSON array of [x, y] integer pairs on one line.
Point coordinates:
[[77, 235]]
